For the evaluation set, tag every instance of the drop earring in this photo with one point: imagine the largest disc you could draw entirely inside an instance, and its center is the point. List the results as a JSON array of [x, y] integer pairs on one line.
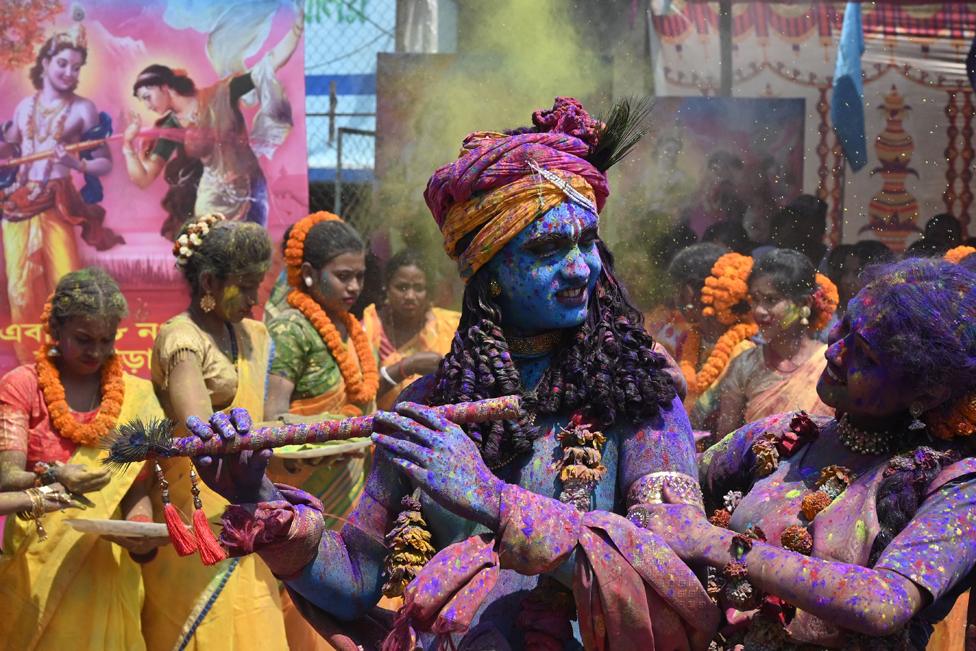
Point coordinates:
[[494, 288], [308, 282], [207, 302], [917, 423], [805, 315]]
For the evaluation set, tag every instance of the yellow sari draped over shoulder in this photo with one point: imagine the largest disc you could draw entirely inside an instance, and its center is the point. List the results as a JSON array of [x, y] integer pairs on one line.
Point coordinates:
[[75, 590], [435, 337], [234, 605]]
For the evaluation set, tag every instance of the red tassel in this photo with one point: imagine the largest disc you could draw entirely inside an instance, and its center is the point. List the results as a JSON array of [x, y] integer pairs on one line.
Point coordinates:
[[182, 538], [179, 534], [211, 552]]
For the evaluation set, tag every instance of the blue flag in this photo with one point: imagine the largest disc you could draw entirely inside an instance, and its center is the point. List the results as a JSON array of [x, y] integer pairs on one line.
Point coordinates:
[[847, 104]]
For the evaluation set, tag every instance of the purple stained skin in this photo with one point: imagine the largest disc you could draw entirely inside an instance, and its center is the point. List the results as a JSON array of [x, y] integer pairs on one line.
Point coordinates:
[[460, 495]]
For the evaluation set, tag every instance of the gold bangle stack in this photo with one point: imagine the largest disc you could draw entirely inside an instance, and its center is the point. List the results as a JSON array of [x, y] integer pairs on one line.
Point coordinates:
[[36, 513]]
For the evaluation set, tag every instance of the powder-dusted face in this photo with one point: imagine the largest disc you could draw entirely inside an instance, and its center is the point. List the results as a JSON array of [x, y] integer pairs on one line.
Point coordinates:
[[857, 380], [237, 296], [548, 272], [774, 312]]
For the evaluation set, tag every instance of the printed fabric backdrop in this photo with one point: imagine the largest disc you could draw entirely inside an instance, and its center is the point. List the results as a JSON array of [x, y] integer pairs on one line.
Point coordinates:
[[918, 104], [242, 151]]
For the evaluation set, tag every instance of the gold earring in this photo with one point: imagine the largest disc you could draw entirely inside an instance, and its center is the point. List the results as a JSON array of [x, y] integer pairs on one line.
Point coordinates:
[[207, 302], [805, 315], [494, 288]]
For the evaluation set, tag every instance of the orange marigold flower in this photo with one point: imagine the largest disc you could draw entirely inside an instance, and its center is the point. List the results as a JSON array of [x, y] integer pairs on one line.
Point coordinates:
[[955, 255], [813, 503]]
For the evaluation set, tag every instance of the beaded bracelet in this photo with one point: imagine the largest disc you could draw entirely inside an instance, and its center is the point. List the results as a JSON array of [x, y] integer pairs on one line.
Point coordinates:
[[44, 473]]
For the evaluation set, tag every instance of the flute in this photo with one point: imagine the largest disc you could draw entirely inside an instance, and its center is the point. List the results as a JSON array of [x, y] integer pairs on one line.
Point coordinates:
[[139, 441]]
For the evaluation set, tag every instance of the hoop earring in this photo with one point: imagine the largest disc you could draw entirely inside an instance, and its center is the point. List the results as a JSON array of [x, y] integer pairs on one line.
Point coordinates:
[[207, 302], [805, 315], [917, 423], [494, 288]]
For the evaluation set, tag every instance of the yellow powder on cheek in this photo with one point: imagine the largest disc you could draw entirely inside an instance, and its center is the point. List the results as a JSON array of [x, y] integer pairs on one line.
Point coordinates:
[[231, 297]]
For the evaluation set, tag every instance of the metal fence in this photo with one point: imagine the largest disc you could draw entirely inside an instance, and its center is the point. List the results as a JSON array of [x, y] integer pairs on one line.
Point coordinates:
[[342, 39]]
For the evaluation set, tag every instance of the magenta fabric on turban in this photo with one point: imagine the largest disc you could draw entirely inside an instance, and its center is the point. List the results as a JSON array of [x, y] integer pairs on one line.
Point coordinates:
[[492, 160]]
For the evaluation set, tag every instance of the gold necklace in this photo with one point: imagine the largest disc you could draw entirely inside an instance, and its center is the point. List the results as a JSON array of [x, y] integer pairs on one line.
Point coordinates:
[[535, 345]]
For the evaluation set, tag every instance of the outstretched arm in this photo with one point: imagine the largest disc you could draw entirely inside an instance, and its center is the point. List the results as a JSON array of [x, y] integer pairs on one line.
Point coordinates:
[[281, 53], [930, 555]]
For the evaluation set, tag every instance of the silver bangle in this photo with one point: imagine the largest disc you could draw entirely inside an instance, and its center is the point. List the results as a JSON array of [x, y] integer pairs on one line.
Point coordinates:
[[386, 376]]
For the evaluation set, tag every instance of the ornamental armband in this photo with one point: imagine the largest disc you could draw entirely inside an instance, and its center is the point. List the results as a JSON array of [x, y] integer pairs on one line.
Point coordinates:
[[649, 489]]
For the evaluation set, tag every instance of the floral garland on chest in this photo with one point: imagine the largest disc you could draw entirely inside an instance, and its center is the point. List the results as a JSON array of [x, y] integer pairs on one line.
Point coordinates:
[[724, 296], [63, 421]]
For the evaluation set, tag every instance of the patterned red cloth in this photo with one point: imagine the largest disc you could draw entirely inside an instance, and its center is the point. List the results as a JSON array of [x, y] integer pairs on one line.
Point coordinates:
[[290, 527], [25, 425]]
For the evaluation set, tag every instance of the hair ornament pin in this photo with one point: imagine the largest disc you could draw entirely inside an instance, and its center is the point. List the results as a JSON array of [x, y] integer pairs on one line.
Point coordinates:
[[192, 239], [571, 193]]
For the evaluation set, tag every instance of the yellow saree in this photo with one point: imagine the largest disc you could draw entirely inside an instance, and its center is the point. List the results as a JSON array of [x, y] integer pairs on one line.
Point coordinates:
[[234, 605], [75, 590], [435, 337]]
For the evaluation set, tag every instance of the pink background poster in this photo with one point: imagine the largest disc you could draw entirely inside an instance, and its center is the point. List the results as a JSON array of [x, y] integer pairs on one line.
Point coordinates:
[[124, 37]]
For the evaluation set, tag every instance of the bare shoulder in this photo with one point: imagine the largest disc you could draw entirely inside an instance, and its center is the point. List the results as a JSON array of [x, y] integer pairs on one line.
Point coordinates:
[[85, 109]]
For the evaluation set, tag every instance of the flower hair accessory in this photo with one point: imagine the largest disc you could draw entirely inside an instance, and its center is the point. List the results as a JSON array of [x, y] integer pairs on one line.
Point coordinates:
[[295, 246], [727, 288], [954, 419], [825, 301], [191, 240]]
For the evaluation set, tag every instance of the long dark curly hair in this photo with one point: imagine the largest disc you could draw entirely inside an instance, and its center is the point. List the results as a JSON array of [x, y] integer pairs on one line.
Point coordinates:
[[607, 369]]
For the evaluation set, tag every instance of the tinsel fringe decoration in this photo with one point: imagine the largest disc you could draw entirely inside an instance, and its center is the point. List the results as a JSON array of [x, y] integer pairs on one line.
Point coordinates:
[[409, 545]]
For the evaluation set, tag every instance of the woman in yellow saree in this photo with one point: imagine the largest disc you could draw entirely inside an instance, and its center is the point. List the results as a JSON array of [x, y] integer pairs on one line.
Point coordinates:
[[411, 335], [212, 358], [791, 302], [73, 590]]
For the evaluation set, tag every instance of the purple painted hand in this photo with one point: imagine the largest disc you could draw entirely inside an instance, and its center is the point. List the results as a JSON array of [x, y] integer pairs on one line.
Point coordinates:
[[442, 460], [685, 528], [239, 478]]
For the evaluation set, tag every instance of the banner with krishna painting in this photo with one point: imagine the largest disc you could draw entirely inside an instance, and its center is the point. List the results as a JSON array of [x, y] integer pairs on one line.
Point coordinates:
[[120, 121]]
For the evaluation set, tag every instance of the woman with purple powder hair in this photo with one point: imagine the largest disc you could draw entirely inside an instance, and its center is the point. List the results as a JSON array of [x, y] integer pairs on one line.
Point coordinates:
[[858, 531]]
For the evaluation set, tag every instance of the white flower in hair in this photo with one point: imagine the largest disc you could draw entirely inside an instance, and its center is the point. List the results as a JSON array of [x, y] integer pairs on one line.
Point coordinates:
[[186, 251], [183, 240], [195, 239]]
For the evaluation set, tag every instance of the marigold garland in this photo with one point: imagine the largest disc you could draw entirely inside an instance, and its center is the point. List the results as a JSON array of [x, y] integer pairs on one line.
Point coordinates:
[[727, 287], [955, 255], [62, 420], [825, 301], [718, 358], [360, 387]]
